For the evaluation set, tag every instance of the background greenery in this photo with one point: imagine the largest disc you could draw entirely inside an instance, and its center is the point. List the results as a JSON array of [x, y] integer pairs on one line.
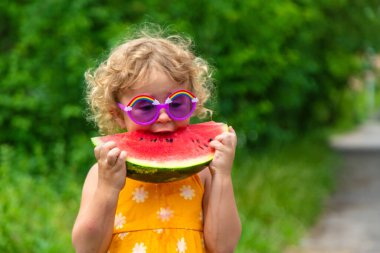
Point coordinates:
[[285, 70]]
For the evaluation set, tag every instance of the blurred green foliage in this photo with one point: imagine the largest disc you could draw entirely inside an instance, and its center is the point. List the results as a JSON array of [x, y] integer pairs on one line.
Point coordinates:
[[282, 70], [280, 195], [36, 212], [282, 66]]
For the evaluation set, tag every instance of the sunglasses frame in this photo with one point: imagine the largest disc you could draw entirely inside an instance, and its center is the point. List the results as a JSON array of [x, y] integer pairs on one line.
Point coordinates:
[[128, 109]]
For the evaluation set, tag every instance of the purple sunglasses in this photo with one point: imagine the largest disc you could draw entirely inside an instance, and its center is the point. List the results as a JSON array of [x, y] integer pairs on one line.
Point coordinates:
[[145, 110]]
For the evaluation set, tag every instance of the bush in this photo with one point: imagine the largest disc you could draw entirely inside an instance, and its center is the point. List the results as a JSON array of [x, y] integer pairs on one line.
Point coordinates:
[[282, 66]]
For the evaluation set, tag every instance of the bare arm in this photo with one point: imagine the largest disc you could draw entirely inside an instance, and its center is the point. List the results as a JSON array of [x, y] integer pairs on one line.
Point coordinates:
[[222, 227], [93, 227]]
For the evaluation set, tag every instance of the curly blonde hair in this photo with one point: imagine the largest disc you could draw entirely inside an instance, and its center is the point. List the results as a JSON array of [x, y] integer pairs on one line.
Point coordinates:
[[128, 64]]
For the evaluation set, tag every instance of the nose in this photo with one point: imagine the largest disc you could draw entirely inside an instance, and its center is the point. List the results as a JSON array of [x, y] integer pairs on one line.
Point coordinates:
[[163, 117]]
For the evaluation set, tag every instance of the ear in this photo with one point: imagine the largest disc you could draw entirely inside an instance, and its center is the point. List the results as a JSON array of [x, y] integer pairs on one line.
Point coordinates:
[[119, 118]]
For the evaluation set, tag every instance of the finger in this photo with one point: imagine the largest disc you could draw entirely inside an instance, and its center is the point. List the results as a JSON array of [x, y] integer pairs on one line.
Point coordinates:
[[221, 137], [121, 161], [97, 152], [227, 138], [217, 145], [122, 157], [233, 135], [105, 148], [112, 156]]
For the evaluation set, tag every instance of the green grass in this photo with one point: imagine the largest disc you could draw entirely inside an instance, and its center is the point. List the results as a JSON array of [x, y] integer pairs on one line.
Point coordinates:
[[279, 194], [36, 211]]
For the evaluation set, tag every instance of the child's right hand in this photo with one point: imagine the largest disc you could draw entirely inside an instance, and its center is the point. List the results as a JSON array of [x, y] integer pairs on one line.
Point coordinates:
[[111, 166]]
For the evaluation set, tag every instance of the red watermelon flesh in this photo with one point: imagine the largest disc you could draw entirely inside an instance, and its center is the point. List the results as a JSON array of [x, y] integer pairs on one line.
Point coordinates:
[[162, 157]]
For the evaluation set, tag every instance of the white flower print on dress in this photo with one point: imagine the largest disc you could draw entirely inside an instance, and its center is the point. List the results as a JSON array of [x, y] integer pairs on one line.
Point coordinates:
[[139, 195], [181, 245], [159, 230], [139, 248], [165, 214], [122, 235], [119, 221], [187, 192]]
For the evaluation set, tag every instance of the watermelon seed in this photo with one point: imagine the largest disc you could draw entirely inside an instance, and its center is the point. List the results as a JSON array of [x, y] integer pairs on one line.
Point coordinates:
[[153, 140], [141, 138], [205, 145], [210, 140], [169, 139], [201, 147], [198, 141]]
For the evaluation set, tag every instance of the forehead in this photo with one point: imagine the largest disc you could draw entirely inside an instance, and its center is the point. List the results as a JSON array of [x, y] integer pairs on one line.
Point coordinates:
[[158, 84]]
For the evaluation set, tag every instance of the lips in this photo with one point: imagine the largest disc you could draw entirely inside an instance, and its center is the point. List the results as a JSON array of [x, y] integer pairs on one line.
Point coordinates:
[[163, 131], [157, 128]]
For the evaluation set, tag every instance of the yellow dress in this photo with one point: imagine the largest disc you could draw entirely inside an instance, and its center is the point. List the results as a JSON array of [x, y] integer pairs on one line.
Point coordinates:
[[165, 217]]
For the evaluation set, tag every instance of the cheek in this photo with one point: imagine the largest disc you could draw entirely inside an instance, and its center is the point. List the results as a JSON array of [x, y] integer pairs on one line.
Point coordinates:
[[182, 123], [132, 126]]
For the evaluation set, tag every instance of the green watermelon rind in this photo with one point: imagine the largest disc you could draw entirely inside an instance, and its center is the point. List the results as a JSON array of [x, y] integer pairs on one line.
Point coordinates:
[[169, 165], [162, 175]]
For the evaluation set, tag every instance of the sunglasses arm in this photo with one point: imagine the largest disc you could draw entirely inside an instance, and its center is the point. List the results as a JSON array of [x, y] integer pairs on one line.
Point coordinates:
[[124, 108]]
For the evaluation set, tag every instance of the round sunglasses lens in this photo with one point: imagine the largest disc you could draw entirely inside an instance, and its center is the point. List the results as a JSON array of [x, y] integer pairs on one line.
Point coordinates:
[[181, 107], [143, 111]]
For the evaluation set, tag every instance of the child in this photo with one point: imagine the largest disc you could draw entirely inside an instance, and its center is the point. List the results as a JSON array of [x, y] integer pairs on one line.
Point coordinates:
[[118, 214]]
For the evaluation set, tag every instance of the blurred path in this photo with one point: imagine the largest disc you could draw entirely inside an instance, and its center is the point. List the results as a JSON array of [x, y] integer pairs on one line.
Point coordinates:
[[351, 221]]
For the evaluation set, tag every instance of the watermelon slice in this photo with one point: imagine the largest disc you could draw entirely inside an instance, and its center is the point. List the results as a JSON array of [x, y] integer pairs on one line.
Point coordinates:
[[165, 157]]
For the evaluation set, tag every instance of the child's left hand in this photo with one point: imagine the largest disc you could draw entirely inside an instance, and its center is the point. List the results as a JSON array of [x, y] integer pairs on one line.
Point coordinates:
[[224, 145]]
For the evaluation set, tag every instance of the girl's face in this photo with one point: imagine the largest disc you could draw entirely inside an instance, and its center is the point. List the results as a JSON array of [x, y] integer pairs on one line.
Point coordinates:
[[160, 86]]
